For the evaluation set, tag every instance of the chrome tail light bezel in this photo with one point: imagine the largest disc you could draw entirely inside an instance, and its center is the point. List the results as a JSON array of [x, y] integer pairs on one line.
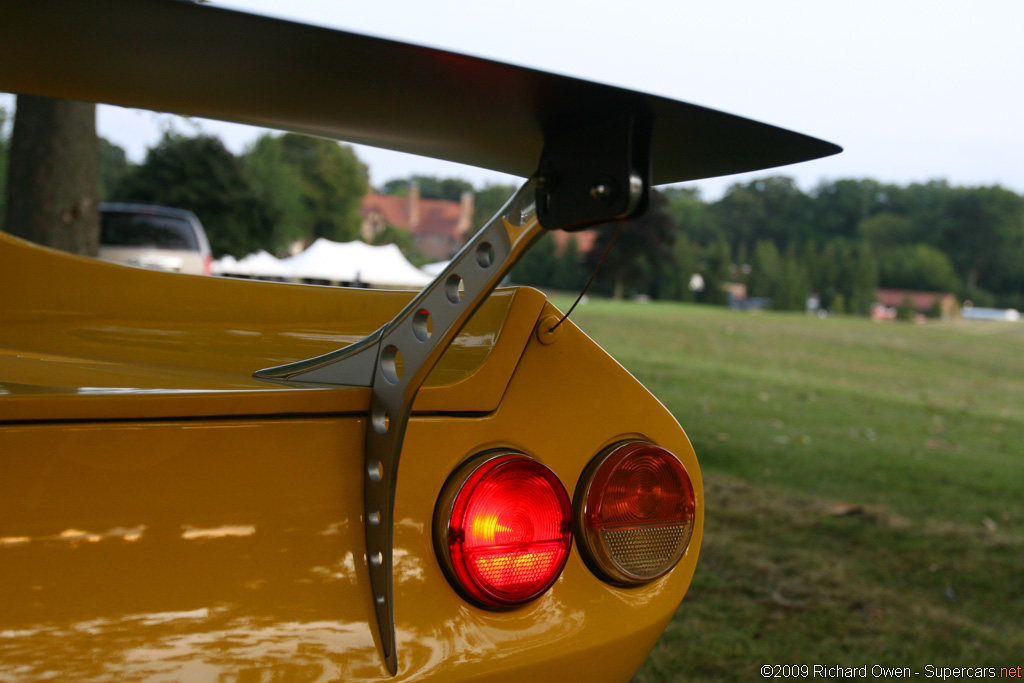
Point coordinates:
[[448, 533], [593, 538]]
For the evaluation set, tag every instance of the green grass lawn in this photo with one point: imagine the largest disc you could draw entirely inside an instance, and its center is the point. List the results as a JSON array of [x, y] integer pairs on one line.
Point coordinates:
[[864, 486]]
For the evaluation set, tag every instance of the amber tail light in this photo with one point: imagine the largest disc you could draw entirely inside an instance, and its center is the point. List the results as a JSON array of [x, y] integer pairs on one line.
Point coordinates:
[[503, 529], [634, 512]]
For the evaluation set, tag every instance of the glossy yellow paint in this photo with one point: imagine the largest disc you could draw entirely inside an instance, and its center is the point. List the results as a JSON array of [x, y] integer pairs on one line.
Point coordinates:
[[162, 515], [201, 548], [84, 339]]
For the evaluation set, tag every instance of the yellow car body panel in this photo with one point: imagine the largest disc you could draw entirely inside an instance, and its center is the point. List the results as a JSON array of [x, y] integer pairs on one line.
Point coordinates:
[[84, 339], [165, 516]]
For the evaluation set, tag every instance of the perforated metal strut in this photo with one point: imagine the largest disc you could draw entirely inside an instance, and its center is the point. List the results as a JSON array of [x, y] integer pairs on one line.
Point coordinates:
[[396, 359]]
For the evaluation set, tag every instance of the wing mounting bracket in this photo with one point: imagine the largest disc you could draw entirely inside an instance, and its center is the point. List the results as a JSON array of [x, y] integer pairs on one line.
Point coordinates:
[[588, 175]]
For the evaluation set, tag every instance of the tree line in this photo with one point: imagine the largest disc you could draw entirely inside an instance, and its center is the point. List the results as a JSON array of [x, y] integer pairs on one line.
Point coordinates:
[[841, 240], [279, 190]]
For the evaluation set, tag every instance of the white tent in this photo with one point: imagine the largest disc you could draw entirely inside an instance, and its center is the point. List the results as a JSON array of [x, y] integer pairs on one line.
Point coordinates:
[[355, 262], [260, 264], [263, 264], [434, 269], [225, 265]]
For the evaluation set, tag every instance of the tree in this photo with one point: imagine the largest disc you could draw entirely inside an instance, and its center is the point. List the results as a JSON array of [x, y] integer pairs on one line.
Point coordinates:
[[862, 289], [201, 175], [888, 229], [279, 185], [925, 204], [919, 266], [847, 276], [829, 277], [538, 266], [113, 167], [765, 270], [53, 184], [839, 207], [717, 260], [906, 310], [642, 249], [983, 224], [673, 282], [488, 201], [838, 305], [545, 266], [793, 286], [692, 216], [334, 182], [769, 208], [570, 272]]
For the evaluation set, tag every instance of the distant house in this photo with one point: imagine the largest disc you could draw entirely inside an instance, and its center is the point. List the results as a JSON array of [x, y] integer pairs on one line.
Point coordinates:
[[924, 302], [584, 240], [438, 227]]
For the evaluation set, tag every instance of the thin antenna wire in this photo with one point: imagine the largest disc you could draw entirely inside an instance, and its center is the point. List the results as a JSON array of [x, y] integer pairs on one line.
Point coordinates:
[[592, 275]]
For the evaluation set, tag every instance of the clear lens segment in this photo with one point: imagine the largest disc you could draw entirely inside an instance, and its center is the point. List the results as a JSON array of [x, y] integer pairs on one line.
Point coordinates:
[[635, 511], [503, 529]]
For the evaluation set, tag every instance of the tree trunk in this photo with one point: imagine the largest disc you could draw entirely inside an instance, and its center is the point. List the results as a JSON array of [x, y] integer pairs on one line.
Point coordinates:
[[972, 279], [53, 177], [618, 287]]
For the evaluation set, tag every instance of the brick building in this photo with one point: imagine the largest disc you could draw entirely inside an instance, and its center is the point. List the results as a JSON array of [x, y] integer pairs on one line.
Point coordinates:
[[438, 227]]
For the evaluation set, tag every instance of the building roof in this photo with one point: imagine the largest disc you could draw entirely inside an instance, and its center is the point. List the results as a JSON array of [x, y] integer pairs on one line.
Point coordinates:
[[922, 301], [395, 210], [436, 216]]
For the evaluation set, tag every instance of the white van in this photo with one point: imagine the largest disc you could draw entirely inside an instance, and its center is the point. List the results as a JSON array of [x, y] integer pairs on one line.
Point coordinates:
[[154, 237]]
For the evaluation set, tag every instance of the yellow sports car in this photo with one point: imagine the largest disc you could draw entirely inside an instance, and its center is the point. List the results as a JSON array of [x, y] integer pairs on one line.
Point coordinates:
[[212, 479]]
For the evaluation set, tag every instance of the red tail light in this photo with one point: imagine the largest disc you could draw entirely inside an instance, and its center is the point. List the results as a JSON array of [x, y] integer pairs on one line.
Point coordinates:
[[208, 265], [635, 510], [503, 529]]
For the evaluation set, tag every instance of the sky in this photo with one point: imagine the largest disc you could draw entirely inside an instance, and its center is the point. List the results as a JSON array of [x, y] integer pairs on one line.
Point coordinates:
[[913, 90]]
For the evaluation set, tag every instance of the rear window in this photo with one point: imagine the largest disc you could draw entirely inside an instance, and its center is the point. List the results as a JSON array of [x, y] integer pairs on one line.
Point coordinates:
[[137, 230]]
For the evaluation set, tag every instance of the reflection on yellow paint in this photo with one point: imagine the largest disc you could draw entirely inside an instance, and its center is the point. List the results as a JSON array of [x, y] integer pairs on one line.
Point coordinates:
[[192, 645], [408, 568], [75, 536], [14, 540], [415, 525], [334, 528], [227, 531], [168, 617], [345, 569]]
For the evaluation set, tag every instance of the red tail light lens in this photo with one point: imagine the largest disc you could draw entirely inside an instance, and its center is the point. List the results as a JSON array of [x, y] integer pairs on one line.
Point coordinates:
[[503, 529], [635, 510]]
